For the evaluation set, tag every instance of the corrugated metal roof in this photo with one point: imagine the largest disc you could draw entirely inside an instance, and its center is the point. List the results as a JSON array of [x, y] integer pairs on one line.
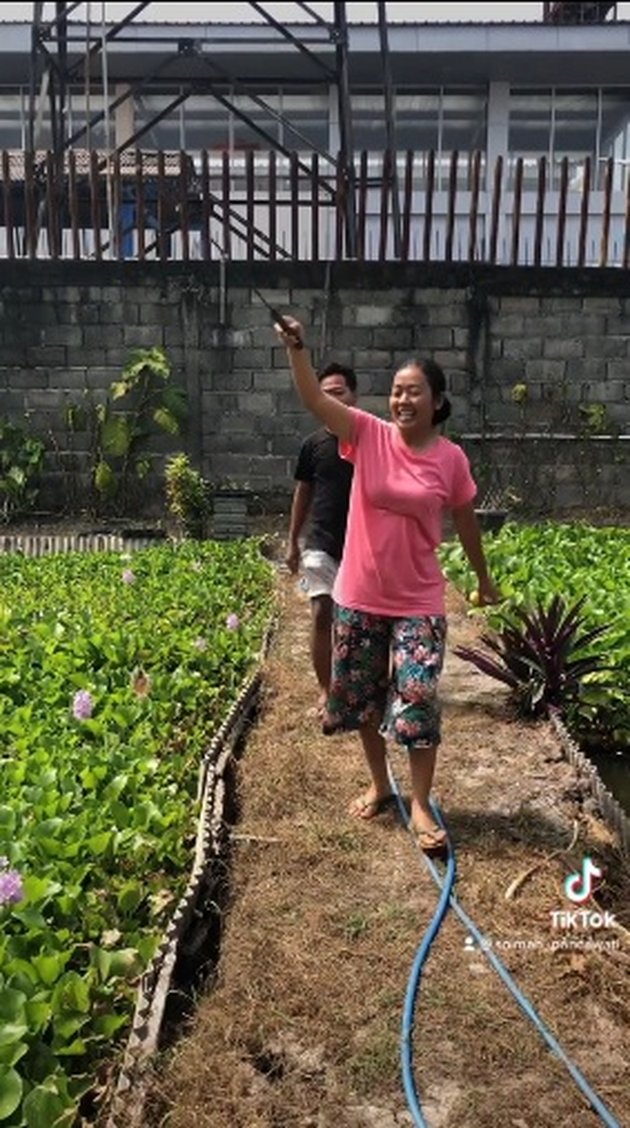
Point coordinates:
[[351, 23]]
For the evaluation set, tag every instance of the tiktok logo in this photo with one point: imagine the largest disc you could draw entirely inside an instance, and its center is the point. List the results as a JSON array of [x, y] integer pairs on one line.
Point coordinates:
[[579, 886]]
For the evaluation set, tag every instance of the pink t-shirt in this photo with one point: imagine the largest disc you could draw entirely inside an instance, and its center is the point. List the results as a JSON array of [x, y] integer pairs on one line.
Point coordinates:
[[389, 564]]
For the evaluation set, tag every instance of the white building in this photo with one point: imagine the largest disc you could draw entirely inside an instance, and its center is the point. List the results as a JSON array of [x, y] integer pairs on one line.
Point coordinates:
[[544, 106]]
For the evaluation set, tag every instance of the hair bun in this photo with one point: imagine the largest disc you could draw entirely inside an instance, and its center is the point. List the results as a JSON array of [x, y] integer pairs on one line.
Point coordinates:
[[441, 413]]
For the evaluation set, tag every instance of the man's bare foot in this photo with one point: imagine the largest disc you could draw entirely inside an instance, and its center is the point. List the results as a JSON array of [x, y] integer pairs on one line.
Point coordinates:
[[370, 805], [321, 702]]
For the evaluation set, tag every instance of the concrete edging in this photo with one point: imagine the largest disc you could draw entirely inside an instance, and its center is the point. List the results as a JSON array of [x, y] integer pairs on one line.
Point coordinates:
[[613, 813]]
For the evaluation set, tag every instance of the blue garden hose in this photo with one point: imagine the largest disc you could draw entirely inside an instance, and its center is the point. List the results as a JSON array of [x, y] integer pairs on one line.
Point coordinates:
[[447, 898], [413, 984]]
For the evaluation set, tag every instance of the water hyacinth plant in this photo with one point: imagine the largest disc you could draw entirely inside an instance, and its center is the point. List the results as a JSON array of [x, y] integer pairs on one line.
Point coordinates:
[[82, 705], [98, 791], [11, 886], [535, 562], [541, 654]]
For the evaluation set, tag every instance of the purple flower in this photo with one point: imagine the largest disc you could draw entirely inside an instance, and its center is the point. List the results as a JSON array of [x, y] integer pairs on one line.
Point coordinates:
[[11, 887], [200, 644], [128, 577], [232, 622], [82, 705]]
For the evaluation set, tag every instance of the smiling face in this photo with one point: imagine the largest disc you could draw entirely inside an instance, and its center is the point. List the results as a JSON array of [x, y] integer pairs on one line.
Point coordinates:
[[412, 403]]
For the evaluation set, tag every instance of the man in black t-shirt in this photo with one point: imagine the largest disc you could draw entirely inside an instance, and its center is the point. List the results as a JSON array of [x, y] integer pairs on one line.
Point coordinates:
[[322, 493]]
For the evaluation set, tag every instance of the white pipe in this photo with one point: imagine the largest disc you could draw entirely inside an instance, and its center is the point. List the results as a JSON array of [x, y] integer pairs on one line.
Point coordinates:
[[113, 250]]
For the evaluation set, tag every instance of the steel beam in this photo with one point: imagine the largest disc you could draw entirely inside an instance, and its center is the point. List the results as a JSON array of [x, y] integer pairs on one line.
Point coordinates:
[[390, 129], [345, 126]]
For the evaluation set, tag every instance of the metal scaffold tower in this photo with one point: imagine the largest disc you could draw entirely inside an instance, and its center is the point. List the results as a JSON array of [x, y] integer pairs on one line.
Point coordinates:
[[67, 52], [578, 13]]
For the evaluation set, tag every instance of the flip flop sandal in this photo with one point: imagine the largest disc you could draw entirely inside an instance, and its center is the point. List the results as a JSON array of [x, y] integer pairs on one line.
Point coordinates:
[[363, 808], [432, 841]]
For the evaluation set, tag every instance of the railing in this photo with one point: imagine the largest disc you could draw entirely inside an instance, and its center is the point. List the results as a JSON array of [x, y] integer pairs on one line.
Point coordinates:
[[252, 206]]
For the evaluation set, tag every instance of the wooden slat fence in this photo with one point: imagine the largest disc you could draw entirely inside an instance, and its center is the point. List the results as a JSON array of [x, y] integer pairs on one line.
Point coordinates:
[[259, 205]]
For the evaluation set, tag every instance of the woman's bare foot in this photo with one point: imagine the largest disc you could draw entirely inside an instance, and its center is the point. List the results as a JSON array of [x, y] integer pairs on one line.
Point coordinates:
[[369, 805], [431, 837]]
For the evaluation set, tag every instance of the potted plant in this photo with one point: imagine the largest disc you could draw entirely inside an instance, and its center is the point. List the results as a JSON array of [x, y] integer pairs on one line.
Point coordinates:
[[494, 509]]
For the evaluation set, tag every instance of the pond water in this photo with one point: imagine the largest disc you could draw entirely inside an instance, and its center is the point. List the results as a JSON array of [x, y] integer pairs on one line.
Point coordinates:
[[615, 773]]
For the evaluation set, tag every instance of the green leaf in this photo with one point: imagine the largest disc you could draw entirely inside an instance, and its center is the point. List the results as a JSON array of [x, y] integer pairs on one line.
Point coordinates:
[[11, 1006], [77, 1046], [99, 843], [12, 1032], [7, 822], [39, 890], [10, 1092], [143, 467], [154, 361], [175, 400], [38, 1013], [12, 1053], [126, 963], [119, 389], [66, 1026], [106, 1025], [166, 420], [104, 479], [116, 435], [131, 895], [71, 993], [49, 968], [42, 1107], [102, 960]]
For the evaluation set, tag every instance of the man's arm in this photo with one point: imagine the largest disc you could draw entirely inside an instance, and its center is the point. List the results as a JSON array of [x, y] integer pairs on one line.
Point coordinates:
[[300, 506]]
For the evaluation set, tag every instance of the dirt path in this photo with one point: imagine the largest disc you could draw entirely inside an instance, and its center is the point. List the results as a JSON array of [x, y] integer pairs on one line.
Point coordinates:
[[301, 1027]]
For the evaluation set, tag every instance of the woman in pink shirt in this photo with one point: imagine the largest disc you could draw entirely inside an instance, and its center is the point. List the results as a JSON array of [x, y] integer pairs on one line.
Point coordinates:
[[390, 621]]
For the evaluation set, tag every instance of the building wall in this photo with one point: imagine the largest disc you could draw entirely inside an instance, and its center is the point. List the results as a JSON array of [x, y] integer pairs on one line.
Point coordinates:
[[538, 365]]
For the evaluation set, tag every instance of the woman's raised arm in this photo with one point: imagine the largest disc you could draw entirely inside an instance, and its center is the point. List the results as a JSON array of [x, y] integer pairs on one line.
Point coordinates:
[[335, 415]]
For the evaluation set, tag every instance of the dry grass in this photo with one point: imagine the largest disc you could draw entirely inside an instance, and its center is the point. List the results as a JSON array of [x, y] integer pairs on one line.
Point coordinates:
[[301, 1026]]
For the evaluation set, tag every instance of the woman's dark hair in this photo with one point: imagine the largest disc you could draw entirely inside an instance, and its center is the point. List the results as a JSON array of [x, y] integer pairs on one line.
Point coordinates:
[[437, 382], [344, 370]]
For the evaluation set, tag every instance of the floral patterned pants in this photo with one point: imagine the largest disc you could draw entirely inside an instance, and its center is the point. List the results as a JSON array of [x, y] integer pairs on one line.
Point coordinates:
[[384, 674]]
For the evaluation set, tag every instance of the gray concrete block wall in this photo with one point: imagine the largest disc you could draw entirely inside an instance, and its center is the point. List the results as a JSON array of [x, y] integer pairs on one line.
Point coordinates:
[[66, 331]]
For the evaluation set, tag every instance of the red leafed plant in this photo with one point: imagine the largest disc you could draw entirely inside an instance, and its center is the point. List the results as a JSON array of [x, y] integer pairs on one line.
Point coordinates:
[[540, 653]]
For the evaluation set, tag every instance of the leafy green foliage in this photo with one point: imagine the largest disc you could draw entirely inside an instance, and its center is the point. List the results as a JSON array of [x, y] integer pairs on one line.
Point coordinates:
[[532, 563], [120, 430], [540, 655], [186, 494], [21, 457], [97, 810]]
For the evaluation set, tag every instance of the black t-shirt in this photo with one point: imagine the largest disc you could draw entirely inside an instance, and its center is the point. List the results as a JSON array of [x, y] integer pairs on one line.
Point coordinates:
[[331, 477]]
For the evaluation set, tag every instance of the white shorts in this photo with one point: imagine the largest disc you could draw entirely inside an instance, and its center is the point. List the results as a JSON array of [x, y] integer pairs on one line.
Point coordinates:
[[318, 572]]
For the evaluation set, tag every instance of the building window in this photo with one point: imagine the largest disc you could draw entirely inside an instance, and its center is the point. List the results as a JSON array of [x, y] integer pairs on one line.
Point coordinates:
[[209, 124], [614, 138], [571, 123], [12, 135], [442, 121], [529, 132], [168, 132]]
